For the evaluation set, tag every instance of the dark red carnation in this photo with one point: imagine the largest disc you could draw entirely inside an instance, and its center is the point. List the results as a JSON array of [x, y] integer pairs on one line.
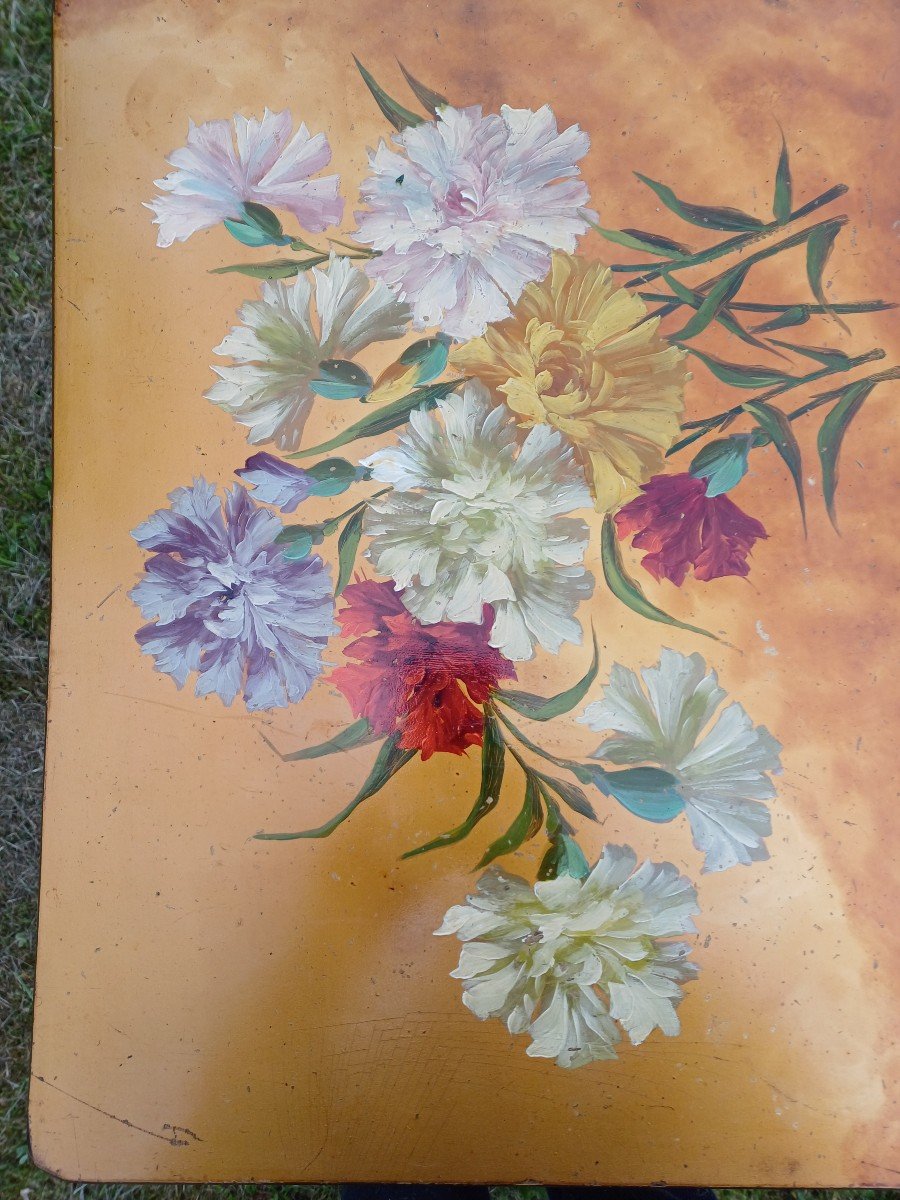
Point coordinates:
[[424, 680], [682, 527]]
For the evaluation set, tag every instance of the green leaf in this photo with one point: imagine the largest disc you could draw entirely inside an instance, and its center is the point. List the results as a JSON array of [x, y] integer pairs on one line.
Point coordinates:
[[629, 592], [796, 314], [737, 375], [278, 268], [545, 708], [646, 243], [782, 201], [389, 761], [431, 101], [725, 318], [818, 250], [525, 826], [571, 795], [777, 426], [299, 540], [564, 857], [401, 118], [247, 235], [722, 463], [340, 379], [718, 297], [357, 734], [492, 762], [333, 476], [655, 241], [831, 437], [348, 544], [264, 219], [648, 792], [837, 360], [730, 219], [381, 420], [429, 355]]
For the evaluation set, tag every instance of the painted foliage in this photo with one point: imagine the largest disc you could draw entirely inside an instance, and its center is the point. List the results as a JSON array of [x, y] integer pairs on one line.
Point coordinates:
[[536, 387]]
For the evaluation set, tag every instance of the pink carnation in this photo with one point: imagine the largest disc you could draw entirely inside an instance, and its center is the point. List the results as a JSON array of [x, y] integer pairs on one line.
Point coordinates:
[[468, 210], [221, 167], [682, 527]]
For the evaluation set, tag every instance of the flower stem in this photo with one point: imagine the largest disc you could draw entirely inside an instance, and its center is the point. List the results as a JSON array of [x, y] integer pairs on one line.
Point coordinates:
[[860, 306], [708, 424], [730, 245], [329, 526]]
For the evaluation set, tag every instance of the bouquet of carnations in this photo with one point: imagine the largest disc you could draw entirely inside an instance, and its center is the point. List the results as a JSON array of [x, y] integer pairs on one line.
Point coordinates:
[[534, 383]]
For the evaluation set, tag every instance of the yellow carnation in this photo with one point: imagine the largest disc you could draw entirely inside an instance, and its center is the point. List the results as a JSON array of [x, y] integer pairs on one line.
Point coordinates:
[[579, 354]]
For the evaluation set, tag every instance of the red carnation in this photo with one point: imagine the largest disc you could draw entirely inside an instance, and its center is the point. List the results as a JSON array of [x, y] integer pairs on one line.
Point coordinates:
[[424, 680], [682, 527]]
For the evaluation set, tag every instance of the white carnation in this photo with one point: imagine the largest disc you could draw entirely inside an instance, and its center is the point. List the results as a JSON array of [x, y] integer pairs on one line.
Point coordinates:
[[572, 961], [476, 517], [722, 773]]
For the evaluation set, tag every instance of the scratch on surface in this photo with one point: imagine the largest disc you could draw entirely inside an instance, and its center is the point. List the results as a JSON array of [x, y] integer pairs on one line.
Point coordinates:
[[179, 1135], [212, 715], [879, 1167]]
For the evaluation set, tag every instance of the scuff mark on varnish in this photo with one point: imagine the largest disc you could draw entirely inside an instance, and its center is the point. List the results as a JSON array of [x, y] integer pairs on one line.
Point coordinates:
[[178, 1135]]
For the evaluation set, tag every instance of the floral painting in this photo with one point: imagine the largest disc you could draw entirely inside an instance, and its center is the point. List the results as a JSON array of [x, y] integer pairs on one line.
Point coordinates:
[[531, 460]]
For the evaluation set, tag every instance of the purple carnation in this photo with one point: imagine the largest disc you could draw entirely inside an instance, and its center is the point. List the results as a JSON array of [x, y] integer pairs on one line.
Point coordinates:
[[276, 481], [226, 602]]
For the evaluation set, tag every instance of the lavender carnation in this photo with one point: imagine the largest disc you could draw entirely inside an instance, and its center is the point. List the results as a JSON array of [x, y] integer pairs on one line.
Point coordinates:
[[224, 602]]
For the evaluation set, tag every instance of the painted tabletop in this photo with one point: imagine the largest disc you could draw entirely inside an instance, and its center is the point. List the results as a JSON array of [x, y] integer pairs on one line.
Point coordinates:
[[213, 1005]]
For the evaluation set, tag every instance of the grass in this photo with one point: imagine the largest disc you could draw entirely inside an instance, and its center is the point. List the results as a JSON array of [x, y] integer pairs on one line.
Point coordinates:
[[25, 385]]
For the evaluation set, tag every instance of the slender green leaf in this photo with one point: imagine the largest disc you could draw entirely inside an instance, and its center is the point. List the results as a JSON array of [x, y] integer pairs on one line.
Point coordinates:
[[737, 375], [278, 268], [657, 241], [348, 544], [831, 437], [401, 118], [381, 420], [795, 314], [389, 761], [818, 250], [430, 100], [525, 826], [725, 318], [492, 763], [646, 243], [357, 734], [571, 795], [729, 219], [783, 200], [564, 857], [724, 290], [778, 427], [545, 708], [836, 359], [629, 592], [648, 792]]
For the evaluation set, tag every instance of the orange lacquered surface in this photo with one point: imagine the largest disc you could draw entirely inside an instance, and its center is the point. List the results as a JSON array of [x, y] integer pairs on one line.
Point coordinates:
[[286, 1004]]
